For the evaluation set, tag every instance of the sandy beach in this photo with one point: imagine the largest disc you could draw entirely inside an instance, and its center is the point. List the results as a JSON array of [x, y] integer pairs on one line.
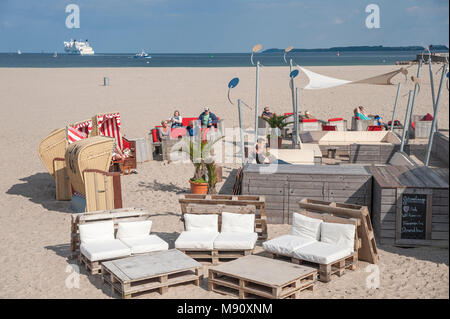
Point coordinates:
[[35, 228]]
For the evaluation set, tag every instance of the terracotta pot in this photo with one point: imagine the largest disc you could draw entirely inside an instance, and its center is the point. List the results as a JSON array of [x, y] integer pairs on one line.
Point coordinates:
[[199, 188]]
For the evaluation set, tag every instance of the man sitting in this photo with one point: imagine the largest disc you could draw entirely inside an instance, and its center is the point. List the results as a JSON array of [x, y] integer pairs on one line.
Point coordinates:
[[208, 118], [266, 113]]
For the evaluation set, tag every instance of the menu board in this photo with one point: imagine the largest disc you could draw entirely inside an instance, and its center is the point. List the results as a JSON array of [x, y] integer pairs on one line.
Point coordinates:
[[413, 223]]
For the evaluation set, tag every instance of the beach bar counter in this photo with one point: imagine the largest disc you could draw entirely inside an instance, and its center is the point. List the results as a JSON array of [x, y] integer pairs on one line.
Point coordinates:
[[284, 185], [410, 206]]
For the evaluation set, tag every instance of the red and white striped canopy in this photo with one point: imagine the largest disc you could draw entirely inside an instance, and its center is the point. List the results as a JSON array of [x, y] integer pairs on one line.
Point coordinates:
[[109, 125], [74, 135], [85, 127]]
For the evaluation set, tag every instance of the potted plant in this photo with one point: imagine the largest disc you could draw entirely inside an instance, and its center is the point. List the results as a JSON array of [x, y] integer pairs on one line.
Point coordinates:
[[277, 123], [205, 179]]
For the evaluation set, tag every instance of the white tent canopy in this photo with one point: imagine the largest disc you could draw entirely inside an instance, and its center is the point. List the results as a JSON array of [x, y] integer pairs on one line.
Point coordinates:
[[318, 81]]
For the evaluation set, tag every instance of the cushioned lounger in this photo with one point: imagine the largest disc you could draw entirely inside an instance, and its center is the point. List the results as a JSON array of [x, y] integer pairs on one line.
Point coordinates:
[[286, 244], [104, 249], [321, 253], [146, 244], [196, 240], [235, 240]]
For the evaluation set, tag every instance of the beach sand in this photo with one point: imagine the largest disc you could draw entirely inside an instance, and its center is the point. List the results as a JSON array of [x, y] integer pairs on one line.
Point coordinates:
[[35, 229]]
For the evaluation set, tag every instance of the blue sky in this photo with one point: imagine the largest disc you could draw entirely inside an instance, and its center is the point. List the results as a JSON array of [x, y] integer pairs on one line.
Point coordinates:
[[219, 25]]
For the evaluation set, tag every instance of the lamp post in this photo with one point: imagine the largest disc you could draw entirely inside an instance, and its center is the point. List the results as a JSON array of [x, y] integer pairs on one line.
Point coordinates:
[[256, 49], [292, 75], [232, 84]]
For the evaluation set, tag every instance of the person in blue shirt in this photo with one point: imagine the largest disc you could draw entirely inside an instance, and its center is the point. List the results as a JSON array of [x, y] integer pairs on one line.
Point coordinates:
[[207, 118], [191, 128], [359, 112]]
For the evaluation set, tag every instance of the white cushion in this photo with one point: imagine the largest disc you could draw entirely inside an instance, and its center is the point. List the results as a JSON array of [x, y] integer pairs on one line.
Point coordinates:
[[137, 229], [286, 244], [235, 240], [305, 226], [342, 235], [103, 250], [321, 253], [196, 240], [239, 223], [96, 231], [202, 222], [145, 244]]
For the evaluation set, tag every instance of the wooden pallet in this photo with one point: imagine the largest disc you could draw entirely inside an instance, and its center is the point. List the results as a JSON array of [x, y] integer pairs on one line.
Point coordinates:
[[237, 188], [216, 256], [368, 250], [255, 282], [116, 215], [325, 271], [230, 201], [92, 267], [130, 287]]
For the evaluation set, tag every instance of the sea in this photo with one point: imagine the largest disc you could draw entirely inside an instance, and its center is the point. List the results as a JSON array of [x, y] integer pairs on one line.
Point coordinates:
[[120, 60]]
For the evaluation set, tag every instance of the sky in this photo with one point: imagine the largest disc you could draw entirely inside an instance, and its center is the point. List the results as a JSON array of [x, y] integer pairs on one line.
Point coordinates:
[[202, 26]]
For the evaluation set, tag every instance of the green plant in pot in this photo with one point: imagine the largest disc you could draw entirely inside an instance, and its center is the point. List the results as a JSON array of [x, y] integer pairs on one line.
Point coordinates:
[[205, 179], [277, 123]]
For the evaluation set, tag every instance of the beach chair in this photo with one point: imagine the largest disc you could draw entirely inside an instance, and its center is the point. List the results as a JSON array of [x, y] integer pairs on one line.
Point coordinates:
[[309, 125], [361, 125], [176, 133], [330, 243]]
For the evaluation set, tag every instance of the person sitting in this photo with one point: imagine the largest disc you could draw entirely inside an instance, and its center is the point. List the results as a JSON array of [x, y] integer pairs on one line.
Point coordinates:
[[192, 130], [208, 118], [307, 116], [117, 154], [266, 113], [260, 155], [360, 113], [176, 119], [164, 131]]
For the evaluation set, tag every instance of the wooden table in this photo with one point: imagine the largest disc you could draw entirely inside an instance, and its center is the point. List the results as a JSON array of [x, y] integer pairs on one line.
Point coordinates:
[[261, 276], [133, 276]]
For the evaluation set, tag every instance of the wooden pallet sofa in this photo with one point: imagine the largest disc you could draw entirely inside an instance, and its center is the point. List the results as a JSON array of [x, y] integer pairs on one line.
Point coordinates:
[[202, 240], [108, 235], [328, 242]]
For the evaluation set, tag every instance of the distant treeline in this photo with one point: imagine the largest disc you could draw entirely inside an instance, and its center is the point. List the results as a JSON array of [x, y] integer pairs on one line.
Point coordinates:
[[363, 48]]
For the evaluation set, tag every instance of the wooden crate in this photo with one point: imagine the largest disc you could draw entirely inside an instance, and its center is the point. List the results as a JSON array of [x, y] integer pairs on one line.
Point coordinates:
[[391, 184], [248, 277], [368, 250], [440, 147], [291, 183], [231, 202], [165, 275], [116, 215]]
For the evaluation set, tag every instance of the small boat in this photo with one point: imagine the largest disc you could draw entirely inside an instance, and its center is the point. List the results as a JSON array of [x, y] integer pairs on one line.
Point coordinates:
[[55, 55], [143, 55], [19, 52]]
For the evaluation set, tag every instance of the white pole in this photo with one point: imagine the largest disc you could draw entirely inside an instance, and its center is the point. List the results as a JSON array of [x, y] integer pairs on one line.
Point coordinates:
[[290, 66], [416, 86], [256, 101], [241, 132], [433, 123], [395, 105], [296, 117], [406, 121], [294, 133]]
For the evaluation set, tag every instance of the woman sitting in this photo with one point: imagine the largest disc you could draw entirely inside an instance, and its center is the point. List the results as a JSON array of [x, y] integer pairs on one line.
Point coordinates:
[[176, 119], [164, 131]]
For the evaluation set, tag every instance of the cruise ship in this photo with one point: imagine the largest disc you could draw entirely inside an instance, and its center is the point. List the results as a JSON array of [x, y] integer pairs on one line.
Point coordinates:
[[78, 47]]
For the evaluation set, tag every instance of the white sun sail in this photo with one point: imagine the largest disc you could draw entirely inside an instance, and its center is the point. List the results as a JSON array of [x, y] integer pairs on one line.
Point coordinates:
[[318, 81]]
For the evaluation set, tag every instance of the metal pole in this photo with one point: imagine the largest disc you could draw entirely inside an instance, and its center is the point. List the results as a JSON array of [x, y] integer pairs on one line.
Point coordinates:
[[256, 101], [290, 65], [431, 81], [395, 105], [296, 117], [241, 132], [294, 133], [406, 121], [416, 86], [433, 124]]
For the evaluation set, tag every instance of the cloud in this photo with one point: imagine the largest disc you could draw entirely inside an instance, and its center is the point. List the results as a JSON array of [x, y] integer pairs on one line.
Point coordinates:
[[413, 9], [338, 21]]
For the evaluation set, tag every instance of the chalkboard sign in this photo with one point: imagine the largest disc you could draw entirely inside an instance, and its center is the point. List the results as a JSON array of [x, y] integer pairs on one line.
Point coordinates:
[[413, 223]]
